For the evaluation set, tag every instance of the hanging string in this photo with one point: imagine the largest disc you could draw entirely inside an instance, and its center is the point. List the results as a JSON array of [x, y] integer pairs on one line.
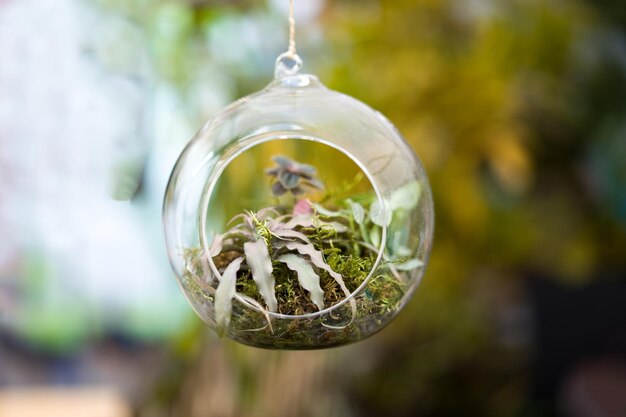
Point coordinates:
[[289, 63], [292, 30]]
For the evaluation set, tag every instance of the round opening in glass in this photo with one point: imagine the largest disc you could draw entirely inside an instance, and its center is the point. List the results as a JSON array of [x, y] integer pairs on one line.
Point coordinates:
[[287, 218]]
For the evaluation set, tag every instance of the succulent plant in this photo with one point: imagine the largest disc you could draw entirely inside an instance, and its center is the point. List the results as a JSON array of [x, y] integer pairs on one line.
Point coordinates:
[[291, 176]]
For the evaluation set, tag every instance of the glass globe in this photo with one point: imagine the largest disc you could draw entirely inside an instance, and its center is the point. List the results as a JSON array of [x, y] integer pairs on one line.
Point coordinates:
[[298, 217]]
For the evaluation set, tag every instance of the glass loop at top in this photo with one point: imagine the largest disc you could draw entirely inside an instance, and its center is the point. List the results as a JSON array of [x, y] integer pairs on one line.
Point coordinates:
[[287, 64]]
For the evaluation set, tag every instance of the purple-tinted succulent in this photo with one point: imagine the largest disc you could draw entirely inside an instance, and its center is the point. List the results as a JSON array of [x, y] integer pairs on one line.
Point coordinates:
[[291, 176]]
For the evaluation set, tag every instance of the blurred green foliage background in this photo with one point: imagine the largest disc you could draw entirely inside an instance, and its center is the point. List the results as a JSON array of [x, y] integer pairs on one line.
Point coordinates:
[[517, 108]]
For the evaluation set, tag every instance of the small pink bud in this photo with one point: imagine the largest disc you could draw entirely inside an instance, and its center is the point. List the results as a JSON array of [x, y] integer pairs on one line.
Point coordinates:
[[302, 207]]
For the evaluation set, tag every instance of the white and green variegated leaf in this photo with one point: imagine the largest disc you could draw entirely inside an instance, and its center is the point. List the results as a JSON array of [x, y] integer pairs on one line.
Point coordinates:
[[289, 234], [224, 296], [307, 277], [216, 245], [378, 215], [304, 220], [318, 260], [324, 212], [409, 265], [260, 264], [406, 197], [397, 244], [316, 256], [374, 236], [358, 212]]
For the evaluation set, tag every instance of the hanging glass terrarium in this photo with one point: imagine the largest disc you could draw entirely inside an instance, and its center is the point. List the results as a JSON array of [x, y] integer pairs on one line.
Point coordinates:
[[298, 217]]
